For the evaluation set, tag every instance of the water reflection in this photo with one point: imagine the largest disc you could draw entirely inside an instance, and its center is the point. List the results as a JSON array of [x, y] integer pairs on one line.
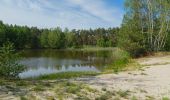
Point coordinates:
[[39, 62]]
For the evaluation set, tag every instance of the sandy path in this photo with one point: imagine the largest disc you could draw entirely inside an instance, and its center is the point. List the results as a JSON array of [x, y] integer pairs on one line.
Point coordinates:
[[151, 83]]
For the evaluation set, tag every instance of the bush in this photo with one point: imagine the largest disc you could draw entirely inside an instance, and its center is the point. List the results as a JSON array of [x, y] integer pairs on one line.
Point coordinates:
[[9, 66], [121, 59], [120, 54]]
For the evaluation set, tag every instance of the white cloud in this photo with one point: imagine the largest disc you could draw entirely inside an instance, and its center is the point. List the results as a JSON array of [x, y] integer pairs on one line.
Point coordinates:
[[63, 13]]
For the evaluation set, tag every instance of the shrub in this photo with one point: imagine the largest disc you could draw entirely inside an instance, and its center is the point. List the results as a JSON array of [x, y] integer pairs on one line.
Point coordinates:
[[121, 59], [9, 66], [120, 54]]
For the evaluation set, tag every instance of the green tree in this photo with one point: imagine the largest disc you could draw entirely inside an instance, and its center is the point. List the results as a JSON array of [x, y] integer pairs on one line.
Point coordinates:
[[44, 39], [56, 39], [70, 38], [130, 37], [145, 25], [9, 66], [101, 42], [2, 33]]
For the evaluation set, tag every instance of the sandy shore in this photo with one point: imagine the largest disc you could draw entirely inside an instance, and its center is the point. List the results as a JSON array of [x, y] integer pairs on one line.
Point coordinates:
[[151, 82]]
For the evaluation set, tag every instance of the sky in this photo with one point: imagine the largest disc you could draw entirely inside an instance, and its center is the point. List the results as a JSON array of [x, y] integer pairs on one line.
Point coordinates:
[[73, 14]]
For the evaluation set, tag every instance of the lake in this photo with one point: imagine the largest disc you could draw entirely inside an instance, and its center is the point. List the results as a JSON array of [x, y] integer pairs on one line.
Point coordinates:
[[40, 62]]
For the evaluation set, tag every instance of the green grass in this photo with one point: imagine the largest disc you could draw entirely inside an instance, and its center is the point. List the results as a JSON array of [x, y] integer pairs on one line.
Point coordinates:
[[106, 96], [66, 75], [23, 98], [79, 90], [38, 88], [2, 82], [22, 83], [123, 94], [91, 48], [134, 98], [165, 98], [73, 88], [121, 59]]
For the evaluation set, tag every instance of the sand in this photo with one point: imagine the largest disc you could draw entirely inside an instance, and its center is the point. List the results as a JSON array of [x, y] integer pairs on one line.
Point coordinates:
[[153, 82]]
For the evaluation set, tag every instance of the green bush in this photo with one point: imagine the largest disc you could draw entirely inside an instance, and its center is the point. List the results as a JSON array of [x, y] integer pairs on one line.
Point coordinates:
[[120, 54], [121, 59], [9, 66]]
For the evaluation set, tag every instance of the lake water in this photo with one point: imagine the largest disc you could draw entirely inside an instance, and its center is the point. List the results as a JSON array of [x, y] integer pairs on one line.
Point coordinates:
[[40, 62]]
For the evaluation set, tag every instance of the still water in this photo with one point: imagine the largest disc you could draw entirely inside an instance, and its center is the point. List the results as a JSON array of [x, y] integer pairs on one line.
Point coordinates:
[[40, 62]]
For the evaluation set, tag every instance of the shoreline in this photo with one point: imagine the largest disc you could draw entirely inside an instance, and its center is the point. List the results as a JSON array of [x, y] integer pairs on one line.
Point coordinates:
[[149, 82]]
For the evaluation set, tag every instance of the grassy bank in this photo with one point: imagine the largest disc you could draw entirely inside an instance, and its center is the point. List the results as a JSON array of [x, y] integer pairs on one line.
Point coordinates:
[[122, 61], [91, 48], [66, 75]]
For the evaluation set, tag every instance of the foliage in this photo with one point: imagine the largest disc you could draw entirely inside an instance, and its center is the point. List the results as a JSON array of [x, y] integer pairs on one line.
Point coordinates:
[[9, 67], [130, 37], [119, 54], [120, 60], [167, 44], [145, 26]]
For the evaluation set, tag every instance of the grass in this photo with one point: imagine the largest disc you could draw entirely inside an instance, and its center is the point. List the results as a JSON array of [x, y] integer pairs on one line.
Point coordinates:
[[66, 75], [38, 88], [134, 98], [104, 89], [60, 89], [2, 82], [106, 96], [123, 94], [72, 87], [22, 83], [23, 98], [150, 97], [165, 98], [91, 48], [121, 60], [68, 89]]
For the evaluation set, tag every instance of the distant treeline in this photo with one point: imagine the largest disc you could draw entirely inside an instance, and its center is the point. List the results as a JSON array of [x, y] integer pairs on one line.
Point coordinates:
[[24, 37]]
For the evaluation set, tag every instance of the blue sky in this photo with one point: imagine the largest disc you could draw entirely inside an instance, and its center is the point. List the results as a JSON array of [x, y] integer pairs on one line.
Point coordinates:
[[79, 14]]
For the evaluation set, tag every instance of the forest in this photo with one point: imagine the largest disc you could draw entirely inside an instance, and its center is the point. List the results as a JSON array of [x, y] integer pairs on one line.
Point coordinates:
[[24, 37]]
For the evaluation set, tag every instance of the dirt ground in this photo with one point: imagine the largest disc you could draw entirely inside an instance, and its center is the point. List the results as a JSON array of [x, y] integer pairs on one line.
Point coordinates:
[[152, 82]]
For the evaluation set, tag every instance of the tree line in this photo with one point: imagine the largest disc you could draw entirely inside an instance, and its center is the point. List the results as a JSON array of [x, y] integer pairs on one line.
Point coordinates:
[[24, 37]]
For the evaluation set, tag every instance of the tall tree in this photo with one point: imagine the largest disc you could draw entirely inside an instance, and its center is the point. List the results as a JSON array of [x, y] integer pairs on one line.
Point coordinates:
[[145, 25], [130, 36]]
